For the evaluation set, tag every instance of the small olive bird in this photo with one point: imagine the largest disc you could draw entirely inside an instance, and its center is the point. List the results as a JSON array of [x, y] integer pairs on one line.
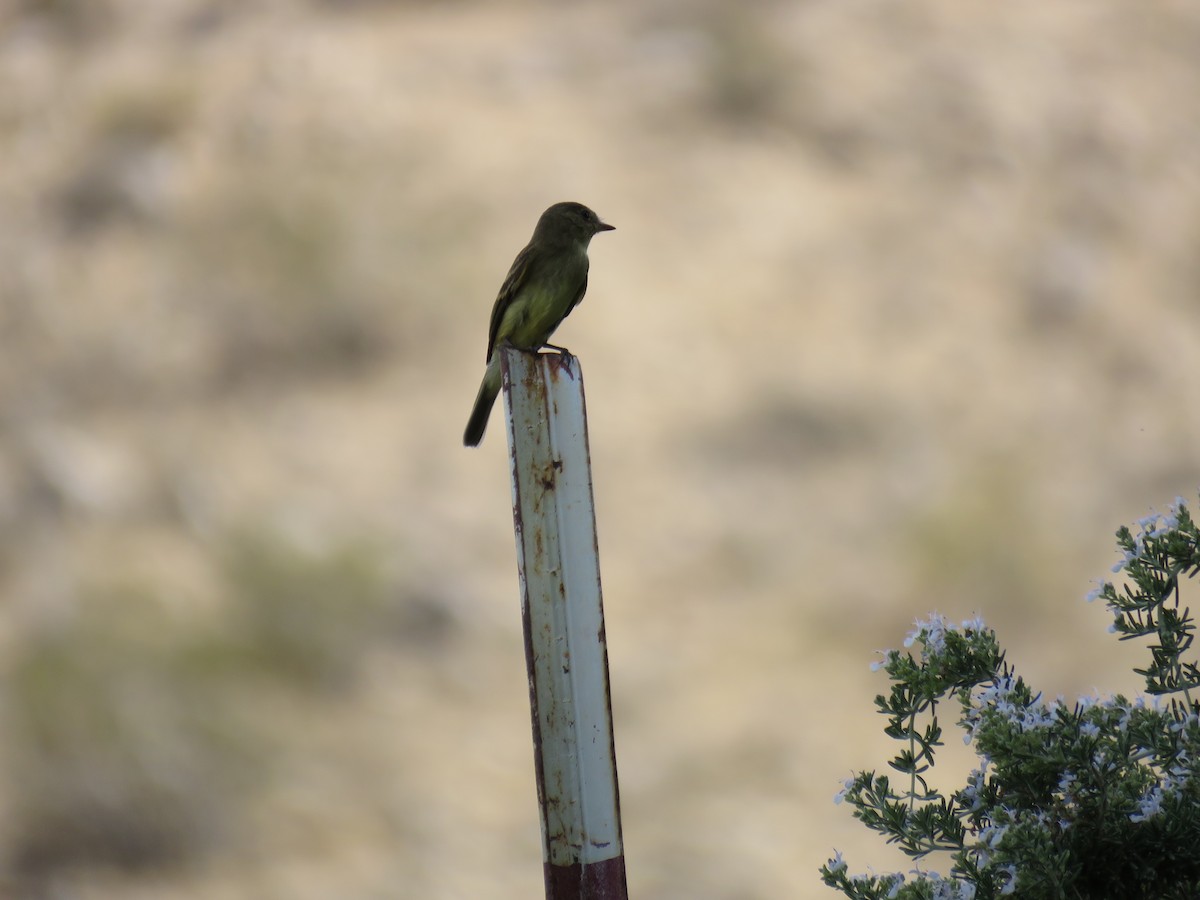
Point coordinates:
[[547, 279]]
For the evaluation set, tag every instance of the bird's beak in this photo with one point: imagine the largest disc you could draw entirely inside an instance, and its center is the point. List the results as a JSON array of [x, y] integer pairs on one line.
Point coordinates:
[[602, 226]]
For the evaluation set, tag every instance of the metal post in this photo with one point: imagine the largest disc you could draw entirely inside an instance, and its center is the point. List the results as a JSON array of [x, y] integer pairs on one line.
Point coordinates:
[[563, 616]]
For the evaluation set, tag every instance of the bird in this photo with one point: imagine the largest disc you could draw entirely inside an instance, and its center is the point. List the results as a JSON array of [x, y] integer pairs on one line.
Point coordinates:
[[546, 281]]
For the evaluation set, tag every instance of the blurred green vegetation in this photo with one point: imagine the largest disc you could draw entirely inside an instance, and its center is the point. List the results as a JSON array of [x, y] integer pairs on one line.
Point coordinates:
[[748, 76], [982, 542], [117, 173], [136, 737], [303, 618], [268, 268], [123, 745]]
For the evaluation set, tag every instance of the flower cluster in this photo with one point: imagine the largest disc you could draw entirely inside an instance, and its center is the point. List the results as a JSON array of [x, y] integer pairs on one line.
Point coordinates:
[[1095, 798]]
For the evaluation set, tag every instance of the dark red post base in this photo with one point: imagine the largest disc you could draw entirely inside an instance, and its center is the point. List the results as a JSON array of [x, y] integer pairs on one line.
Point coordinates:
[[595, 881]]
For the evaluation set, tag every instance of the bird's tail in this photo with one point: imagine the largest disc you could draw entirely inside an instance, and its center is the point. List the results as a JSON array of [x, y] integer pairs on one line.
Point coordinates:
[[484, 400]]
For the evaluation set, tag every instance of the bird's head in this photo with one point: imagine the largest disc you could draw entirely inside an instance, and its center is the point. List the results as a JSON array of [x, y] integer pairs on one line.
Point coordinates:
[[570, 219]]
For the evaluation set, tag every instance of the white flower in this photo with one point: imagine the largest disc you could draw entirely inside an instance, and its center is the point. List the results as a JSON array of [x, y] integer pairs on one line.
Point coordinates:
[[1149, 806], [1011, 887], [976, 782], [992, 835], [837, 864], [841, 795], [1129, 556], [1178, 774], [1155, 525], [1036, 716], [975, 623], [1177, 727], [931, 632], [1148, 523]]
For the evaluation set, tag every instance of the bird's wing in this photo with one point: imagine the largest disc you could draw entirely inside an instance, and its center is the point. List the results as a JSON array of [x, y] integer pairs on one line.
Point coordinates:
[[582, 289], [513, 281]]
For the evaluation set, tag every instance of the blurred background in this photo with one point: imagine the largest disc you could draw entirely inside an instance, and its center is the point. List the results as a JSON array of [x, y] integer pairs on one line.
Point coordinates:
[[902, 314]]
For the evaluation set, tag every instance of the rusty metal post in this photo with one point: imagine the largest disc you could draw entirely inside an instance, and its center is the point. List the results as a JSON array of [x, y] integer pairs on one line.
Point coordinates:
[[563, 616]]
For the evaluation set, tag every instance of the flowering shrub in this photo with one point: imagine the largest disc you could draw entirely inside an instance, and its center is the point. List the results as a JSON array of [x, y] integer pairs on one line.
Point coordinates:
[[1094, 799]]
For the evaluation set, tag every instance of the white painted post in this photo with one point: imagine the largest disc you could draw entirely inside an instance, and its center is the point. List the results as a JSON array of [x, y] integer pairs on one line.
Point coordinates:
[[563, 616]]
